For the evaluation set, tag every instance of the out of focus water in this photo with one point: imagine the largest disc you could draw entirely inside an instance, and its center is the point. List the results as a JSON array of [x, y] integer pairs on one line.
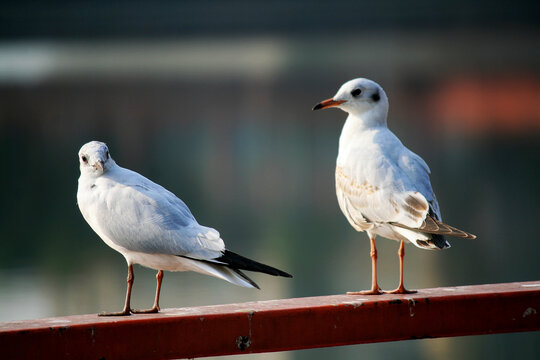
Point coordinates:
[[227, 125]]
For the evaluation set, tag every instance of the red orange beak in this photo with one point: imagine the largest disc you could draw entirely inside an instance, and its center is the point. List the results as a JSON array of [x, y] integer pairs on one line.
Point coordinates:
[[328, 104]]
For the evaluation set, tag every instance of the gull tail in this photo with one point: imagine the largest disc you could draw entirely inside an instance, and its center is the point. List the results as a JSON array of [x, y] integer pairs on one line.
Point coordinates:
[[220, 271], [435, 241]]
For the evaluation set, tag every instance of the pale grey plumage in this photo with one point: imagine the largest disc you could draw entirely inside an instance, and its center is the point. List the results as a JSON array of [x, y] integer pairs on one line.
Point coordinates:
[[382, 187], [150, 219], [149, 225], [142, 216]]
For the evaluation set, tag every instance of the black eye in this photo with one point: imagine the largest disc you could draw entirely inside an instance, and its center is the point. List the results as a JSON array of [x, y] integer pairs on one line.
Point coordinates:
[[107, 155], [376, 97], [84, 159], [356, 92]]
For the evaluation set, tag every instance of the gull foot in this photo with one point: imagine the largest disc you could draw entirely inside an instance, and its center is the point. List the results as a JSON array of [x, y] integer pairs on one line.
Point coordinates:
[[146, 311], [120, 313], [376, 291], [401, 290]]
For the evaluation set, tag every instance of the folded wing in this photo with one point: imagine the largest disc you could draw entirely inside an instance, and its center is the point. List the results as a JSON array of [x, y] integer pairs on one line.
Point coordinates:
[[143, 216], [389, 185]]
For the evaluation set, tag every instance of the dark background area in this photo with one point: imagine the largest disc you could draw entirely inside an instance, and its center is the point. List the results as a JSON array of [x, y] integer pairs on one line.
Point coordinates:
[[93, 19]]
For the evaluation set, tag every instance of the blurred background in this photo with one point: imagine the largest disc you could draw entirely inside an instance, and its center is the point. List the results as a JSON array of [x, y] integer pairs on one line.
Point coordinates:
[[213, 101]]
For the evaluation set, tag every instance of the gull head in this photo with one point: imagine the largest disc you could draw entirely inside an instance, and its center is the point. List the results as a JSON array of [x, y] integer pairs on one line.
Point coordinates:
[[359, 97], [94, 158]]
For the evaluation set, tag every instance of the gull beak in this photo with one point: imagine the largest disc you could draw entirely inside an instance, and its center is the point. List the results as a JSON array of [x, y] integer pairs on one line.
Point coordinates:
[[328, 104], [99, 165]]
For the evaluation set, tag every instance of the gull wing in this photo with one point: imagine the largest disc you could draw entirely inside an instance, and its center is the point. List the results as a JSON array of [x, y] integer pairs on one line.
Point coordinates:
[[384, 182], [434, 226], [142, 216]]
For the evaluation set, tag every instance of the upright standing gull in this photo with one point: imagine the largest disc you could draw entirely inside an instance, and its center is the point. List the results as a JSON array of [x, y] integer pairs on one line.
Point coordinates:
[[382, 187], [150, 226]]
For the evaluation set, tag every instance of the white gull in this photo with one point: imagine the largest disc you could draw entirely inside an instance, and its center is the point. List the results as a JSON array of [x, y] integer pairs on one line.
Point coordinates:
[[382, 187], [152, 227]]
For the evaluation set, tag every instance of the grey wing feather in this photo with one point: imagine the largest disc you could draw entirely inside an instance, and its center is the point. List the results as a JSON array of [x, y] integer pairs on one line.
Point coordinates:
[[384, 182], [145, 217], [418, 171]]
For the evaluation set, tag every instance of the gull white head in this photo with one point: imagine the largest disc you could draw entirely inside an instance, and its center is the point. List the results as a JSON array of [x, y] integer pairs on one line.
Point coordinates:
[[361, 98], [94, 158]]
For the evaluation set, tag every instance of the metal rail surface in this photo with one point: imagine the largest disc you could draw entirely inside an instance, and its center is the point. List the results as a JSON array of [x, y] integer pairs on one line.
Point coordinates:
[[278, 325]]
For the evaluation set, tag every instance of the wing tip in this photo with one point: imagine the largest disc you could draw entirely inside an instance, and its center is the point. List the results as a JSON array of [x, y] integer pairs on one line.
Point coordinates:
[[236, 261], [449, 230], [284, 274], [434, 226]]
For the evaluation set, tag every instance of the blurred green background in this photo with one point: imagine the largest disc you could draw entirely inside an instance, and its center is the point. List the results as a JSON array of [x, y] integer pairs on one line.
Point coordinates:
[[213, 101]]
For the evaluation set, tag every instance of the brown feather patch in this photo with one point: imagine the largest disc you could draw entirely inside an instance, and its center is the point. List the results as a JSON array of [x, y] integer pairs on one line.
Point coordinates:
[[416, 204], [413, 212]]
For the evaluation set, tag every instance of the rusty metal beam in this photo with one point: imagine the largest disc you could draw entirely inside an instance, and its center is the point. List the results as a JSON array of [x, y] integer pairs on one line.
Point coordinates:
[[278, 325]]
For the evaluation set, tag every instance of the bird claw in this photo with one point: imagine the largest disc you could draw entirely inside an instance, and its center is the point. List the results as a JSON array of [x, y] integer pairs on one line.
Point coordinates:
[[401, 290], [376, 291], [146, 311], [126, 312]]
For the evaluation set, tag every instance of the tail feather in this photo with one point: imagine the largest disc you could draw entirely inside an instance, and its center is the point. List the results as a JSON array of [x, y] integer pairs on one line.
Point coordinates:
[[421, 239], [436, 241], [247, 278], [221, 271]]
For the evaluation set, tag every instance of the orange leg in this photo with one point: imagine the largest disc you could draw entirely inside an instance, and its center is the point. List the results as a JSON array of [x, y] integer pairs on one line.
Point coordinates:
[[155, 308], [401, 288], [127, 309], [375, 289]]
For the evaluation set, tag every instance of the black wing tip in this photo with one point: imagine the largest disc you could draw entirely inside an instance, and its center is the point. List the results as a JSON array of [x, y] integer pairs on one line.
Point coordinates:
[[439, 241], [239, 262], [283, 274]]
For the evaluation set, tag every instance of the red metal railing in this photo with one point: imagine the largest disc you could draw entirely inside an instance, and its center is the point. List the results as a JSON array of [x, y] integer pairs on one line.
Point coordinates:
[[278, 325]]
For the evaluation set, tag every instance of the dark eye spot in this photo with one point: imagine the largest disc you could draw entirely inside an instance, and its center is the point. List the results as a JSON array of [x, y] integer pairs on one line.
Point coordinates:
[[376, 97], [356, 92], [84, 159]]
